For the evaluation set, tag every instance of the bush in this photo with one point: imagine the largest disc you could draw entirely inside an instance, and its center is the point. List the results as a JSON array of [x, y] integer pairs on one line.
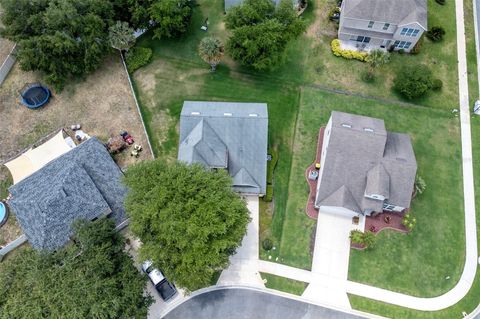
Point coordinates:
[[267, 244], [436, 34], [437, 85], [409, 221], [417, 46], [356, 237], [138, 57], [367, 239], [413, 81], [347, 54], [420, 184], [368, 77], [271, 164], [269, 193], [440, 2]]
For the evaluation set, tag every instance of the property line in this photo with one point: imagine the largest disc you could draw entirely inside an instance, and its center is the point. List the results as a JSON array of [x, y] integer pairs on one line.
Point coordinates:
[[138, 107]]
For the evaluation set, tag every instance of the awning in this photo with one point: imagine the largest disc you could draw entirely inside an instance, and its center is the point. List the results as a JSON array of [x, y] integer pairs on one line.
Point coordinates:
[[34, 159]]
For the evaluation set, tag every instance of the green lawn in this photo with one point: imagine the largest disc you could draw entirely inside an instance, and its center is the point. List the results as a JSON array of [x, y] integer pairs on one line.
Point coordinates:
[[299, 102], [284, 284]]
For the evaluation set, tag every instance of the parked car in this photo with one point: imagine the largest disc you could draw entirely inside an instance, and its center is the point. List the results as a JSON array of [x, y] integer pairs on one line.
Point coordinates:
[[166, 289]]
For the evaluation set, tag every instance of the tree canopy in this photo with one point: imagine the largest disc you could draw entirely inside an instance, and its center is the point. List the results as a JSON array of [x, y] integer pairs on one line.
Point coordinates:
[[121, 36], [170, 17], [93, 278], [413, 81], [211, 50], [261, 32], [189, 219]]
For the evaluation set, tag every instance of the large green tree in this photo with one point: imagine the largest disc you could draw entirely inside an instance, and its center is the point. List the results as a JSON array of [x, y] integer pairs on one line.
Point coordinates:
[[189, 219], [211, 50], [170, 17], [61, 38], [93, 278], [413, 81], [261, 32]]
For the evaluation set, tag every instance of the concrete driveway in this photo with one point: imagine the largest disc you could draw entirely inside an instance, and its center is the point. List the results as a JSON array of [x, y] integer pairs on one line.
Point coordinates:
[[243, 269], [330, 260]]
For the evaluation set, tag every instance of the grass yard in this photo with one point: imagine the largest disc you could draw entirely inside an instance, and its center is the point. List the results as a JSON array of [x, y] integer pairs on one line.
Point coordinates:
[[284, 284], [299, 102]]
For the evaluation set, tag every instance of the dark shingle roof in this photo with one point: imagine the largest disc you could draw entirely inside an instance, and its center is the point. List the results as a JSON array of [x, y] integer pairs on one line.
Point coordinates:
[[231, 135], [365, 159], [82, 183]]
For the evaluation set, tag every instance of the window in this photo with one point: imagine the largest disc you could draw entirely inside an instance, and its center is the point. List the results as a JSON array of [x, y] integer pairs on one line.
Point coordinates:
[[402, 44], [370, 24], [409, 32], [346, 125], [367, 129], [386, 26], [363, 39], [388, 206]]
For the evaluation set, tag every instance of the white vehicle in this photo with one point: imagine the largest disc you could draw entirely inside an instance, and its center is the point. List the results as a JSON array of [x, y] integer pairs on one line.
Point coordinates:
[[166, 289]]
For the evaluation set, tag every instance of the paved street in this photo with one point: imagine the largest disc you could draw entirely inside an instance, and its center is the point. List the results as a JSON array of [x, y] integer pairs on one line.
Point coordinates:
[[241, 303]]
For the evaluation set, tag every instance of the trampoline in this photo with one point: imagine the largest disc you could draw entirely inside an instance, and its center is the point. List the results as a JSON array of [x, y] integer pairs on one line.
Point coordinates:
[[34, 95], [3, 213]]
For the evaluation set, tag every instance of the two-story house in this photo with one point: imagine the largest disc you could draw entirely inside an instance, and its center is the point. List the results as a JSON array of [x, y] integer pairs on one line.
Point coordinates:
[[382, 24]]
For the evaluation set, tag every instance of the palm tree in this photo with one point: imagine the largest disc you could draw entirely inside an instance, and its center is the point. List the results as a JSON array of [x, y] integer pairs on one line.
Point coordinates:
[[121, 36], [211, 50], [377, 58]]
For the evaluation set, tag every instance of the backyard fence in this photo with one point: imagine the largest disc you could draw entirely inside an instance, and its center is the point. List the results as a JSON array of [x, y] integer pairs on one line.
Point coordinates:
[[7, 65]]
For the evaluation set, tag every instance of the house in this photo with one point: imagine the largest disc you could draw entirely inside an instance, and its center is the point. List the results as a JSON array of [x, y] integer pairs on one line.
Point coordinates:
[[83, 183], [231, 136], [382, 24], [364, 169]]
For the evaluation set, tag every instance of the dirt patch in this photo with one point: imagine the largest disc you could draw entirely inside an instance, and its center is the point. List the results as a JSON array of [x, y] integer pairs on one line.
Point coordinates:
[[10, 230], [5, 48], [103, 104]]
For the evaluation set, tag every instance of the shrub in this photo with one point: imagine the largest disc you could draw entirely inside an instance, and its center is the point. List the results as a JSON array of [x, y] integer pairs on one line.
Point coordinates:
[[271, 164], [440, 2], [269, 193], [347, 54], [401, 51], [417, 46], [267, 244], [409, 221], [138, 57], [368, 77], [420, 184], [437, 84], [436, 34], [413, 81], [367, 239]]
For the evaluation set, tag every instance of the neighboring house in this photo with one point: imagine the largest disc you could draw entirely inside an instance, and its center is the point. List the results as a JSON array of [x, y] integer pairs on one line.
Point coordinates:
[[231, 3], [83, 183], [364, 169], [389, 24], [231, 136]]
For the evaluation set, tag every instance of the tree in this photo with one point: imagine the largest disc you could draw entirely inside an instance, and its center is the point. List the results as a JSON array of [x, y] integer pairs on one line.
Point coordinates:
[[61, 38], [413, 81], [436, 34], [189, 219], [378, 58], [261, 32], [94, 278], [170, 17], [120, 36], [211, 50]]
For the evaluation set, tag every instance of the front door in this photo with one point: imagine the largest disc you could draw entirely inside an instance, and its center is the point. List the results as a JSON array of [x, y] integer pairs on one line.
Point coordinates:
[[385, 44]]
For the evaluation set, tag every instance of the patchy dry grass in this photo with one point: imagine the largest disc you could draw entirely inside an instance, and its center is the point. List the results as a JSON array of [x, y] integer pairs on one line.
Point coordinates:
[[102, 103]]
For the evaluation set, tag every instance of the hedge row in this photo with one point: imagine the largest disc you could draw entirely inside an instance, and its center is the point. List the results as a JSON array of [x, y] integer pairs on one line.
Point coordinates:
[[347, 54]]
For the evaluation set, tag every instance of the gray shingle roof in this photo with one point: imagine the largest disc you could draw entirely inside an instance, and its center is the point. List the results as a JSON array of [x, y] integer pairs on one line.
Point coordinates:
[[235, 134], [366, 159], [391, 11], [82, 183]]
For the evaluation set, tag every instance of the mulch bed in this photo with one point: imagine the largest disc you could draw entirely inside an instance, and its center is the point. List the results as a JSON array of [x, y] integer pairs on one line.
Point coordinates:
[[310, 209]]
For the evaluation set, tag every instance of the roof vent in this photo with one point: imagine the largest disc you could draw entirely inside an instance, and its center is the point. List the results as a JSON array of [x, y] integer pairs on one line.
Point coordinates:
[[227, 114], [346, 125], [195, 113], [253, 114], [367, 129]]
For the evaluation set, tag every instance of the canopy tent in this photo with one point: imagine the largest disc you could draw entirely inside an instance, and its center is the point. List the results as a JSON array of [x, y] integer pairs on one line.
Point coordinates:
[[34, 159]]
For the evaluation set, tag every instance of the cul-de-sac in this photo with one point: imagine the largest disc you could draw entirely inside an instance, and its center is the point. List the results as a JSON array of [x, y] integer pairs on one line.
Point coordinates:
[[242, 159]]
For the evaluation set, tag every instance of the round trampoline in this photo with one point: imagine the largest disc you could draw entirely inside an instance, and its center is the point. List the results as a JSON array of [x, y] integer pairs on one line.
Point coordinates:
[[3, 213], [34, 95]]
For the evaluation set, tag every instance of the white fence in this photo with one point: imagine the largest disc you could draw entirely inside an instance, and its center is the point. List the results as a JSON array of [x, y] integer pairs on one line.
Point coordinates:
[[7, 65], [12, 245]]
